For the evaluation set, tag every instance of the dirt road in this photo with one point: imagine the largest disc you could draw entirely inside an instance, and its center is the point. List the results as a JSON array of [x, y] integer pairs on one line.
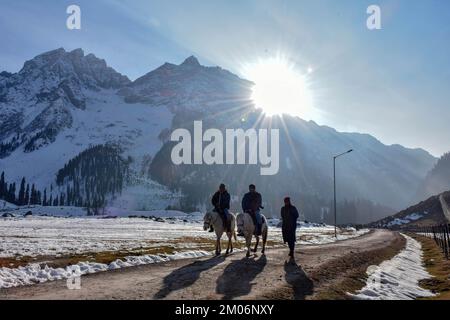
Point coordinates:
[[320, 271]]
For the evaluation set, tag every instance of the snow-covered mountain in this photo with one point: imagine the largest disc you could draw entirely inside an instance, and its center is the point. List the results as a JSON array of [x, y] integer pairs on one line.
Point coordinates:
[[61, 103]]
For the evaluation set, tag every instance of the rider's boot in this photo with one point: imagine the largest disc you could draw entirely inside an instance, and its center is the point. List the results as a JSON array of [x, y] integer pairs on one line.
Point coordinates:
[[211, 228]]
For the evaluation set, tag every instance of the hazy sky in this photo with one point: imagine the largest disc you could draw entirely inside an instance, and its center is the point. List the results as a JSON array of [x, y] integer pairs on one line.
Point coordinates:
[[393, 83]]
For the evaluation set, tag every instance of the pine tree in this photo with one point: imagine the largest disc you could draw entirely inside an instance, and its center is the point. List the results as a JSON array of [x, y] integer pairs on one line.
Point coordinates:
[[12, 193], [33, 197], [27, 195], [69, 198], [2, 186], [44, 201], [61, 200], [21, 198], [100, 170]]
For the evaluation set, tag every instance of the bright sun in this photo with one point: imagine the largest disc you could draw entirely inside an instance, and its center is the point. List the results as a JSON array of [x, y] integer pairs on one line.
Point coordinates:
[[279, 87]]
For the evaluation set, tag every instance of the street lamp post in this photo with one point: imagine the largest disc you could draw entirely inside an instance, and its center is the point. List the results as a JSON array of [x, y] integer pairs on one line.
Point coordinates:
[[334, 183]]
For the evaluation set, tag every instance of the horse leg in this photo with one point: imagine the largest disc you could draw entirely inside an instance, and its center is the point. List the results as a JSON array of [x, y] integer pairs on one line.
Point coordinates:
[[231, 243], [228, 245], [248, 244], [264, 242], [256, 245], [217, 246]]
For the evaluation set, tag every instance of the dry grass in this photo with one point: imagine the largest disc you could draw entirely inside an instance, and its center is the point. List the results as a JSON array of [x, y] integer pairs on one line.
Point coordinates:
[[15, 262], [437, 266]]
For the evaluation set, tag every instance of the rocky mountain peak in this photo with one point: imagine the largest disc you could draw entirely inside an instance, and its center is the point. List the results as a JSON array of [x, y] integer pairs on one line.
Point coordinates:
[[191, 61], [87, 69], [5, 74]]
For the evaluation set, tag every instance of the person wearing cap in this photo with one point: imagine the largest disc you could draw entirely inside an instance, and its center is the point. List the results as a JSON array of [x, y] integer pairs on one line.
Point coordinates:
[[221, 203], [252, 203], [289, 216]]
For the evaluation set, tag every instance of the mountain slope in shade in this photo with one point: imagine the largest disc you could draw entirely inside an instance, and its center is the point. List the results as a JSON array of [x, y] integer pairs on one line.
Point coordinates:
[[189, 87], [426, 213], [437, 180], [61, 103], [386, 175]]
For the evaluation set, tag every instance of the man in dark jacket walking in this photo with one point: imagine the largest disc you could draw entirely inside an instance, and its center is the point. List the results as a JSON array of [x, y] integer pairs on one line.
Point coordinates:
[[252, 203], [289, 216], [221, 203]]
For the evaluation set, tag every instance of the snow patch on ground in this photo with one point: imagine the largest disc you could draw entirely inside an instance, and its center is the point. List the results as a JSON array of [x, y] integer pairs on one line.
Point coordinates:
[[51, 236], [174, 214], [59, 211], [398, 278], [4, 205], [108, 212], [136, 197], [405, 220], [276, 222], [36, 273]]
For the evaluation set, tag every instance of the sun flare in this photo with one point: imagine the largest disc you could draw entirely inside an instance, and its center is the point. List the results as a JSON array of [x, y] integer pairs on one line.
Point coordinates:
[[279, 87]]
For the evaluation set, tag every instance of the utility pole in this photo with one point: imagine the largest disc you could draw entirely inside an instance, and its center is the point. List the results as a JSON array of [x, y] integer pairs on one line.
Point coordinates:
[[334, 188]]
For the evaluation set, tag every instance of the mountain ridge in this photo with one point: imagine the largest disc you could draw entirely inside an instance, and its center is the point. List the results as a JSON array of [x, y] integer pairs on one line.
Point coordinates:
[[64, 102]]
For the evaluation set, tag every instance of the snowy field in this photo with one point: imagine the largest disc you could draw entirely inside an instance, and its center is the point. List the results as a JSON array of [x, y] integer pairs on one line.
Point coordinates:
[[398, 278], [39, 240], [57, 236]]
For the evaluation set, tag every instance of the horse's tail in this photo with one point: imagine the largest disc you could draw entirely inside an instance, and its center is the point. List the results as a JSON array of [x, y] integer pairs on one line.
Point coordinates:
[[234, 235]]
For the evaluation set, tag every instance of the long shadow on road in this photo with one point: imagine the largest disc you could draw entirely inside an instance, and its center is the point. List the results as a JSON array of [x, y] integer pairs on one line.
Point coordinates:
[[298, 280], [237, 277], [186, 276]]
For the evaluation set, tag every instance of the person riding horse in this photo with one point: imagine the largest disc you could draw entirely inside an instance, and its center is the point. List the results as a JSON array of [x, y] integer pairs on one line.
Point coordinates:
[[221, 203], [252, 203]]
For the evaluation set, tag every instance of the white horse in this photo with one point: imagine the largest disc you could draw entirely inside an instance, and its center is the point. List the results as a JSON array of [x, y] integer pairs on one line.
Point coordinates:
[[246, 226], [213, 218]]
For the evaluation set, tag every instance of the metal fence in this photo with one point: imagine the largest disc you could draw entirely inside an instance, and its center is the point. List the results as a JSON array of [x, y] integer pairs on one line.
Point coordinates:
[[440, 234]]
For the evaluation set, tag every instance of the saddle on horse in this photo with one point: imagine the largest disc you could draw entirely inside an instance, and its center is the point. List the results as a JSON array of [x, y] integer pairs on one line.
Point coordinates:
[[258, 226], [226, 219]]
